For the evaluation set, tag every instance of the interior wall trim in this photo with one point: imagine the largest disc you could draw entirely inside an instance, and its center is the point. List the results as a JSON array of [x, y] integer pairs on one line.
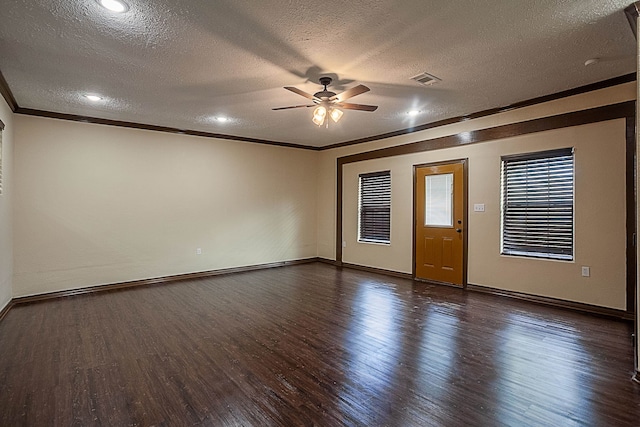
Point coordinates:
[[548, 301], [11, 101], [165, 129], [539, 100], [378, 271], [327, 261], [6, 309], [7, 94], [631, 212], [632, 12], [575, 306], [153, 281], [624, 110]]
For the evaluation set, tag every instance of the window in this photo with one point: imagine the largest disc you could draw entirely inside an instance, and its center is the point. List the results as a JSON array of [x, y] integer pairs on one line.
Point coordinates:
[[537, 204], [374, 207], [438, 198]]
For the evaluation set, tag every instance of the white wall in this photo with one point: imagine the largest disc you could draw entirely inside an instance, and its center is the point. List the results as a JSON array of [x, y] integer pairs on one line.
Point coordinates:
[[6, 206], [600, 203], [98, 204]]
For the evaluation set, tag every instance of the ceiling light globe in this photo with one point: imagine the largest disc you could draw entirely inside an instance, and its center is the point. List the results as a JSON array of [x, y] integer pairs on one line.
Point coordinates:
[[336, 114], [319, 115], [320, 112], [93, 98]]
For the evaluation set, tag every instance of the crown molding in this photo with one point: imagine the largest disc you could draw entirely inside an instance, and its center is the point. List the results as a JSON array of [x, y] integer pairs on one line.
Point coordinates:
[[632, 12], [11, 101], [534, 101]]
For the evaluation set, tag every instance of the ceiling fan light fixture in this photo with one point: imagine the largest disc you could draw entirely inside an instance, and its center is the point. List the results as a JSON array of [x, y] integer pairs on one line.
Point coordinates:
[[319, 114], [335, 114], [327, 101]]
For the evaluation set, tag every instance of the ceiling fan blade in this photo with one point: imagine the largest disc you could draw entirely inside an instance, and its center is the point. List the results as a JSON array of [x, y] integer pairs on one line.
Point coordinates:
[[349, 93], [301, 93], [360, 107], [294, 106]]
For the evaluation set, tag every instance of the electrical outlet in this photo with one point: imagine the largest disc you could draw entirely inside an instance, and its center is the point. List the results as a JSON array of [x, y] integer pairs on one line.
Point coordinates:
[[478, 207], [199, 251], [586, 271]]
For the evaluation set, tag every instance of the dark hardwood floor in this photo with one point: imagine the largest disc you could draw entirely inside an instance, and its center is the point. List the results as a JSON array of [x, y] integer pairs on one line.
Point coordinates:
[[311, 345]]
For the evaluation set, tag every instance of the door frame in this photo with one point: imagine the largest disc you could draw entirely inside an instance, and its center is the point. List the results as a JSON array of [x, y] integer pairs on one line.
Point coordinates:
[[465, 216]]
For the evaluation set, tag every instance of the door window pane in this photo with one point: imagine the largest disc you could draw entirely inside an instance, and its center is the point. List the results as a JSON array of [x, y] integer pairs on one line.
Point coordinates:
[[438, 210]]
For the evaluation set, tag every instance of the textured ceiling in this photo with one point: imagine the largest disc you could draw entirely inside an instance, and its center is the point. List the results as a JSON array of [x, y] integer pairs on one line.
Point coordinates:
[[182, 63]]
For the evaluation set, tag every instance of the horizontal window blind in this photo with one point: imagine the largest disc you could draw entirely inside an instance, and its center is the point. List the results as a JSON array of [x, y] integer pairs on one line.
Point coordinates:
[[537, 204], [375, 207]]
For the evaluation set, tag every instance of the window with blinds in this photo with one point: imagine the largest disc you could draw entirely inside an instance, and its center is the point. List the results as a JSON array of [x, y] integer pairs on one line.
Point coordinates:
[[374, 207], [537, 204]]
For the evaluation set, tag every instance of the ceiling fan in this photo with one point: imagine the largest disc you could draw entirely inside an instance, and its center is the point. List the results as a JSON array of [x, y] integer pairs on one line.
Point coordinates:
[[327, 102]]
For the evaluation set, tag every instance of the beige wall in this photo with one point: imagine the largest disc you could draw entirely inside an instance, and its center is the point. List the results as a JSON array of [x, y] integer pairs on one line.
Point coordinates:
[[600, 204], [98, 204], [6, 227]]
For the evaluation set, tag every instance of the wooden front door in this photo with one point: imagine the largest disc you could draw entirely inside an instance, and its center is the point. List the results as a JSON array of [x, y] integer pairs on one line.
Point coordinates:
[[440, 215]]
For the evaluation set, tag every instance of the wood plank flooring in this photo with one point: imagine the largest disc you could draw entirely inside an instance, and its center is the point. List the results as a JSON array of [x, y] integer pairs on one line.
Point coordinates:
[[311, 345]]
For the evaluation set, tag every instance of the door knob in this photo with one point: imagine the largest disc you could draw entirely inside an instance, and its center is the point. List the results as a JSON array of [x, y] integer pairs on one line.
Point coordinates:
[[458, 230]]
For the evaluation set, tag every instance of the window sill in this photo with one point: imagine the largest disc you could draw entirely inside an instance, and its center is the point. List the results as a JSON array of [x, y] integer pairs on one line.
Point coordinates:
[[375, 242], [541, 257]]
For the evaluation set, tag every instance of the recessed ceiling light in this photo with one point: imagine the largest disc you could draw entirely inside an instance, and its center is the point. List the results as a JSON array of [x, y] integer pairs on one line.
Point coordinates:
[[117, 6], [221, 119], [413, 112], [94, 98]]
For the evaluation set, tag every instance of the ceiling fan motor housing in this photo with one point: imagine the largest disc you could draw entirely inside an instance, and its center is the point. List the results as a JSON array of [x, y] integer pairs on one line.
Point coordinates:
[[324, 81]]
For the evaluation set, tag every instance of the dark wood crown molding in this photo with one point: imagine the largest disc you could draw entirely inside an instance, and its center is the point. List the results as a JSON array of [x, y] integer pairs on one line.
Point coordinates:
[[7, 94], [11, 101], [542, 99], [632, 12], [575, 118], [166, 129], [13, 104]]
